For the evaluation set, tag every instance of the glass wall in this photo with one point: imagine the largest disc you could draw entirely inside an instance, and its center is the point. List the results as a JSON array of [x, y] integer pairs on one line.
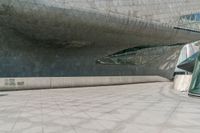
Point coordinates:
[[191, 22]]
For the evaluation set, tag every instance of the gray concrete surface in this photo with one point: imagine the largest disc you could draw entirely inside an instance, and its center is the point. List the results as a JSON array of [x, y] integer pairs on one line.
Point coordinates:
[[12, 84], [141, 108]]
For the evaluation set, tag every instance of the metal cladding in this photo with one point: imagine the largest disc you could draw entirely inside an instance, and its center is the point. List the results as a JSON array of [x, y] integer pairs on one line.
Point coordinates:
[[66, 38]]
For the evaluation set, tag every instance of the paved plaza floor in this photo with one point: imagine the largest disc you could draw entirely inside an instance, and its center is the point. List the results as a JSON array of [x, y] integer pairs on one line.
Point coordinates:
[[138, 108]]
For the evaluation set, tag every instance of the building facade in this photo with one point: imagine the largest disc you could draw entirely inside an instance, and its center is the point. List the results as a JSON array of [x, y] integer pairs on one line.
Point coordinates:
[[44, 38]]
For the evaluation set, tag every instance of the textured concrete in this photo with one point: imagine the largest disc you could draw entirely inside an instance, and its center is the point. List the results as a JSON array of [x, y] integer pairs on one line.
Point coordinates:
[[141, 108], [66, 82], [182, 82], [42, 37]]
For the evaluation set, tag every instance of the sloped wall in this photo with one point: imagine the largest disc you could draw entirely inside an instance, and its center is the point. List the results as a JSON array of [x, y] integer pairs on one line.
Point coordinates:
[[28, 58]]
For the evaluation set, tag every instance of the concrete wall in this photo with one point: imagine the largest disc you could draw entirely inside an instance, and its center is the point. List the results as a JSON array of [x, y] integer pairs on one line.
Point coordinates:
[[9, 84], [23, 58]]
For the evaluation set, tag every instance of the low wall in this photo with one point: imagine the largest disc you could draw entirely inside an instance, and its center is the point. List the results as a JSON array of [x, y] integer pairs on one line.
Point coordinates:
[[182, 82], [7, 84]]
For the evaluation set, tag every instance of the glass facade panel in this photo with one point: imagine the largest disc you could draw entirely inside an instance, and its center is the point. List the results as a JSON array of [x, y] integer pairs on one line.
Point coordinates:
[[195, 84], [191, 22]]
